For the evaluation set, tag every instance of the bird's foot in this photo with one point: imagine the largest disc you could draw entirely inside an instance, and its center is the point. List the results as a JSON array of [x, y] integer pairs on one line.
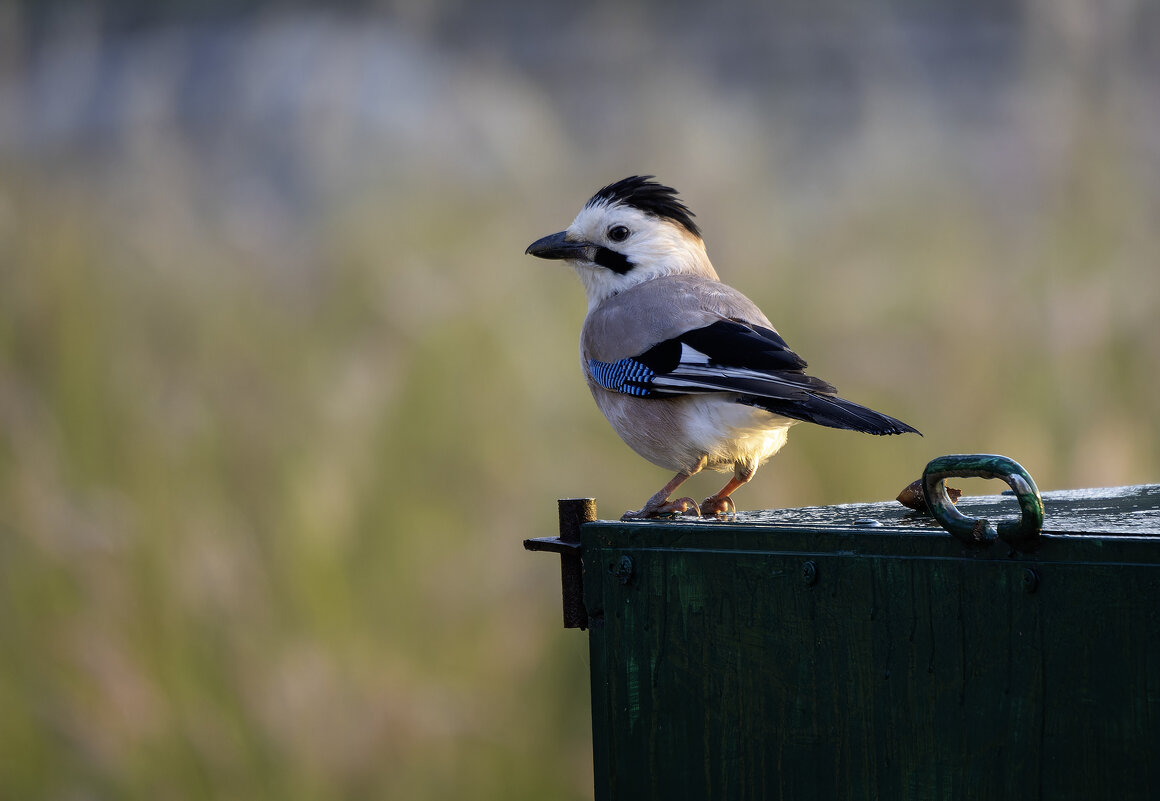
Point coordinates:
[[664, 508], [719, 506]]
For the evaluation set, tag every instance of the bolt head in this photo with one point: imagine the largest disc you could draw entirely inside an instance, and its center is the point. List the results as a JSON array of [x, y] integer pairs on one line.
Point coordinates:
[[809, 573], [623, 569]]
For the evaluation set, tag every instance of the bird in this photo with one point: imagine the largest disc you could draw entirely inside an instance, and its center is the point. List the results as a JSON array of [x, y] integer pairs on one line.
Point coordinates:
[[687, 370]]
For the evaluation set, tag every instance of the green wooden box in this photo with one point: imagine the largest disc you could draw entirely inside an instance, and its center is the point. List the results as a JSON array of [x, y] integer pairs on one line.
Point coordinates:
[[861, 652]]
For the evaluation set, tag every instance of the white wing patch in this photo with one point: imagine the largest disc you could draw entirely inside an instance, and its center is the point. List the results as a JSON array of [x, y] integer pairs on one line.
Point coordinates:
[[695, 373]]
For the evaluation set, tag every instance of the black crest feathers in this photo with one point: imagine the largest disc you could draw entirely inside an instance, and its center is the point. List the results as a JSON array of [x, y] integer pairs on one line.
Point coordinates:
[[641, 192]]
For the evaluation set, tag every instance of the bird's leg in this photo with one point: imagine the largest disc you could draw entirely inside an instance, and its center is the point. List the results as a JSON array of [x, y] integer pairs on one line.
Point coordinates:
[[659, 504], [721, 505]]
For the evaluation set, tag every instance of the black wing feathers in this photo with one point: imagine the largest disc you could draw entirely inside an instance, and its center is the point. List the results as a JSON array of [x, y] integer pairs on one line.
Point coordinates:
[[757, 364], [734, 344]]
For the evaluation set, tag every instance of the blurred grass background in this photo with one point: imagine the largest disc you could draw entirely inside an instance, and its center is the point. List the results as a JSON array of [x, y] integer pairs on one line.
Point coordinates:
[[280, 396]]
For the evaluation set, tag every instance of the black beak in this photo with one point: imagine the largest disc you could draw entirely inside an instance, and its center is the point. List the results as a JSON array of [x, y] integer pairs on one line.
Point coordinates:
[[556, 246]]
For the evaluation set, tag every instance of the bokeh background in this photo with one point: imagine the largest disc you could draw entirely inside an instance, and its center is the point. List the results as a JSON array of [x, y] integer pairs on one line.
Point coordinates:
[[280, 395]]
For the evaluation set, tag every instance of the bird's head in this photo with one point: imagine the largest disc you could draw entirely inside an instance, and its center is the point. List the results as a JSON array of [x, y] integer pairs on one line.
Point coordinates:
[[627, 233]]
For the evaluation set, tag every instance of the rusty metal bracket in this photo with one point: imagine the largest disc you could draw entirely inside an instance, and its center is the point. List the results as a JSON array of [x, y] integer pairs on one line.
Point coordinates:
[[574, 512]]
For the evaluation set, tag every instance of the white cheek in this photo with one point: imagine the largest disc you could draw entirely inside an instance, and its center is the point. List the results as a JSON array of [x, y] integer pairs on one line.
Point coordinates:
[[600, 283]]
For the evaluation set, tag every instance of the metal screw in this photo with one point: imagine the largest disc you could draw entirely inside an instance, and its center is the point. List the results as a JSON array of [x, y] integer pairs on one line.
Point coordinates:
[[623, 571], [1030, 581], [867, 522], [809, 574]]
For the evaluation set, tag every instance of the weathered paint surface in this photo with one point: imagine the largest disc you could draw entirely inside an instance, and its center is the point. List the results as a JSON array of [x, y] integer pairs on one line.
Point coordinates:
[[794, 654]]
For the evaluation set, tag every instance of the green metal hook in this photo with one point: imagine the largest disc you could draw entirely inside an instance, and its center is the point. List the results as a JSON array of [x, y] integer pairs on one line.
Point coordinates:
[[1022, 535]]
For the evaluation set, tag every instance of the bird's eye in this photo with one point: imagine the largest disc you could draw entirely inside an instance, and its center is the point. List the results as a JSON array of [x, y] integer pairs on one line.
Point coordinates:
[[618, 233]]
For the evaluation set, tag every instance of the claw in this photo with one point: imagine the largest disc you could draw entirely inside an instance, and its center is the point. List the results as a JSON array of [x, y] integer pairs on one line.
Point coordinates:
[[650, 511], [719, 506], [659, 504], [684, 506]]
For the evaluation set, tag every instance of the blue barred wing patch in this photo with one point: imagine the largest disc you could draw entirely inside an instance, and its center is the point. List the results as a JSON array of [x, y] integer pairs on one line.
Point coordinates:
[[627, 376]]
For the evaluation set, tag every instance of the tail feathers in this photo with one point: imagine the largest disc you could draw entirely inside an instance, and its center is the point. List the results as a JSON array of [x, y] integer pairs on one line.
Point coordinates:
[[834, 412]]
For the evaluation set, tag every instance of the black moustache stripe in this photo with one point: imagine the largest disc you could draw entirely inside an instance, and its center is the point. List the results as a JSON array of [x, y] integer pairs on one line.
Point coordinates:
[[611, 260]]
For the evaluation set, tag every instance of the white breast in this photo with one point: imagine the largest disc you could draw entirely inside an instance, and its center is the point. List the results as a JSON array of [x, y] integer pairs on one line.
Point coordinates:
[[675, 433], [732, 433]]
